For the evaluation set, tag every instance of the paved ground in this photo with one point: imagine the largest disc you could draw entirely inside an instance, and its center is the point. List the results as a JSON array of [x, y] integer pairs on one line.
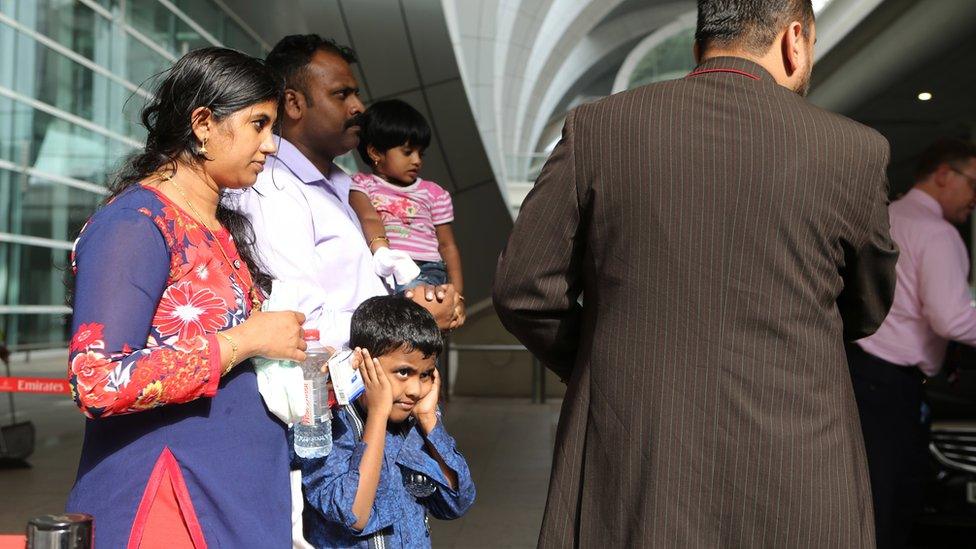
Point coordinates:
[[508, 444]]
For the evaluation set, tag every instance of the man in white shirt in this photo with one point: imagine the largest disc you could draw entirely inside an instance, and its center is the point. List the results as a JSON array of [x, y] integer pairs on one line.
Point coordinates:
[[305, 230], [931, 307]]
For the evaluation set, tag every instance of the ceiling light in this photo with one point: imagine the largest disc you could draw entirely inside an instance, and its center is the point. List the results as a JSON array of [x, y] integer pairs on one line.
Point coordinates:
[[924, 96]]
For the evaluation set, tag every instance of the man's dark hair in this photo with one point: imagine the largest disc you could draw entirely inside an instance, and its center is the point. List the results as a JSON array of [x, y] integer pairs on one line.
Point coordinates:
[[384, 324], [293, 53], [948, 150], [391, 123], [748, 24]]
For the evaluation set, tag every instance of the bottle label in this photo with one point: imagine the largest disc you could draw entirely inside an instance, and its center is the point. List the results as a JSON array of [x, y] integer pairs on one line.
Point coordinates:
[[309, 418]]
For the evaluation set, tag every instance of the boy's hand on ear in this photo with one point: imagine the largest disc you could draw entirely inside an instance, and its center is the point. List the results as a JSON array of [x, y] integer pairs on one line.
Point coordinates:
[[379, 392], [426, 408]]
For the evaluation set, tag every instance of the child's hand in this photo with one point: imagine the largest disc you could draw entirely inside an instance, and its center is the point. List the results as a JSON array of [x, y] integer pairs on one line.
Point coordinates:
[[426, 408], [329, 350], [379, 392]]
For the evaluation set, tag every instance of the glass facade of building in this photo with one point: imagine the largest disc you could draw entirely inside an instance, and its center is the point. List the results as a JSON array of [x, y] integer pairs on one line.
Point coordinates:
[[74, 75]]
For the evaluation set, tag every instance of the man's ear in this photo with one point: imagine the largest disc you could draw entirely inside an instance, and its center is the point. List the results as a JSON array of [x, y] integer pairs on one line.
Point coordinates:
[[792, 47], [697, 52], [940, 177], [294, 103]]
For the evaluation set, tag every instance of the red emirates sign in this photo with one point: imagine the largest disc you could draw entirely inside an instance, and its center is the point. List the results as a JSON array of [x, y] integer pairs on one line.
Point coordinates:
[[43, 385]]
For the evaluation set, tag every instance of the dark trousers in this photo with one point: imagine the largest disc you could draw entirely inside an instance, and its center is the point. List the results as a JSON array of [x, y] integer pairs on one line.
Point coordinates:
[[889, 401]]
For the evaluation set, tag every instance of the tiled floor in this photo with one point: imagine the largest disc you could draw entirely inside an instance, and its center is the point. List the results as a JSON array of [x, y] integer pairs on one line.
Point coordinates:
[[508, 444]]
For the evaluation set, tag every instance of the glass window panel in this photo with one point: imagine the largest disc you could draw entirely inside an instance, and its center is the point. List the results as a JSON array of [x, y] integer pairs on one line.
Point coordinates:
[[109, 4], [672, 58], [35, 276], [236, 38], [52, 145], [163, 26], [205, 14], [38, 330], [143, 64], [71, 24], [39, 207], [49, 76]]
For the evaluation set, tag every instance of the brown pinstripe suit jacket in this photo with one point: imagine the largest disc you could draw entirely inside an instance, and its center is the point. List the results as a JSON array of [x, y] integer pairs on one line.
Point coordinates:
[[726, 236]]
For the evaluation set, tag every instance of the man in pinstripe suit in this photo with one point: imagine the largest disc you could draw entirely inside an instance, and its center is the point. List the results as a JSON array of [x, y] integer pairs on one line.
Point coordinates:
[[727, 236]]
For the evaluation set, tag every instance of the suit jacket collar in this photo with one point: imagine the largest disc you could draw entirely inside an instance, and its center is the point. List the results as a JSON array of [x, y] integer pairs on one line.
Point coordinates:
[[738, 66]]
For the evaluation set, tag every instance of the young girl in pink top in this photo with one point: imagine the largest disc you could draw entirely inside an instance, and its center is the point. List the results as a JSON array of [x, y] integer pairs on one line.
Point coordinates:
[[396, 208]]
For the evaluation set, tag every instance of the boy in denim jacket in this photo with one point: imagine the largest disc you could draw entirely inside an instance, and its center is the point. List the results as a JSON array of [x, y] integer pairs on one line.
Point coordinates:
[[392, 461]]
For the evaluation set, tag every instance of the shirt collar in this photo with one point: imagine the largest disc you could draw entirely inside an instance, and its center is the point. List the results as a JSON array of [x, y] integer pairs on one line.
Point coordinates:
[[733, 66], [296, 162], [926, 201]]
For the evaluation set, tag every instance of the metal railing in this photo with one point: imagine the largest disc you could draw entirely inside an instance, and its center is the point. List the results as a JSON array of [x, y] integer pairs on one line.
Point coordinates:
[[538, 391], [28, 348]]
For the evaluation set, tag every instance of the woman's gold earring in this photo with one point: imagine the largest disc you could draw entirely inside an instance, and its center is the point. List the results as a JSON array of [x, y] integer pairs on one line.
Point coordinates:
[[203, 147]]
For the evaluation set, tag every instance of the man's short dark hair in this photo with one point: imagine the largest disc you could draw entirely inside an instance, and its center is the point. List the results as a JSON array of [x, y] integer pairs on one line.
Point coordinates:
[[948, 150], [293, 53], [391, 123], [748, 24], [384, 324]]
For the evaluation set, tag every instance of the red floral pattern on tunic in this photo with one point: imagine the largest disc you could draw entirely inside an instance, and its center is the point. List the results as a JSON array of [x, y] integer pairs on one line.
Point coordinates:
[[189, 311], [177, 362]]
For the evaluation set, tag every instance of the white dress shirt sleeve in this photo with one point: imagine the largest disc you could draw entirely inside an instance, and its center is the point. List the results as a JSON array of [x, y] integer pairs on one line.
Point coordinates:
[[286, 244], [944, 289]]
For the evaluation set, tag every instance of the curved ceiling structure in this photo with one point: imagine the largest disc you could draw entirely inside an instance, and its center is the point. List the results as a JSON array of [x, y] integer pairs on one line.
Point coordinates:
[[526, 62]]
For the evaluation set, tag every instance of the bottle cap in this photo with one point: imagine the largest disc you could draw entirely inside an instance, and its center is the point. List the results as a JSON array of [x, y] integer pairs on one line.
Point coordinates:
[[311, 335]]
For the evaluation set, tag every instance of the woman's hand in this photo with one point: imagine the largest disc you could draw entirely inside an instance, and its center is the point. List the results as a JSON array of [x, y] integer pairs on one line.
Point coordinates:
[[379, 392], [276, 335], [426, 408]]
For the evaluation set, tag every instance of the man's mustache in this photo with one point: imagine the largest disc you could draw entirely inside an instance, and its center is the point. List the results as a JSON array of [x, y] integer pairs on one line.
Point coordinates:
[[356, 120]]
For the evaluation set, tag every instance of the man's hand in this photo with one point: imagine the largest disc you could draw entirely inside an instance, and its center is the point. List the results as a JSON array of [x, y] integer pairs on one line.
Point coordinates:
[[441, 301]]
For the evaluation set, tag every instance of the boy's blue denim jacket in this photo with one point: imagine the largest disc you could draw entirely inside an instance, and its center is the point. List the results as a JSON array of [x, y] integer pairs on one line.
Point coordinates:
[[398, 518]]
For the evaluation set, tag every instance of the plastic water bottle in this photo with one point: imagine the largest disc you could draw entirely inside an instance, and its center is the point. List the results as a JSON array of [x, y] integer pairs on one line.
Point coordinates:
[[313, 434]]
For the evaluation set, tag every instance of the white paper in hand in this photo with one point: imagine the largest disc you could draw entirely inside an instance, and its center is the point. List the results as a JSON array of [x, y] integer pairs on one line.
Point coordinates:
[[281, 382], [394, 266], [346, 381]]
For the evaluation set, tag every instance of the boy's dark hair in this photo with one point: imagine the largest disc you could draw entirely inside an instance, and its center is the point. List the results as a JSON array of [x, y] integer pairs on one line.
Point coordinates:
[[293, 53], [748, 24], [384, 324], [947, 150], [391, 123]]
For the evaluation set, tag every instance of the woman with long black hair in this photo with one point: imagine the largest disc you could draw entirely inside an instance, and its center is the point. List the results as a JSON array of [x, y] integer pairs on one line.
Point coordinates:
[[179, 449]]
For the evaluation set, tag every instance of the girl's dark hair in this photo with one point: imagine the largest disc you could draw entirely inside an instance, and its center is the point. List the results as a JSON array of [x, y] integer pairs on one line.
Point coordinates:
[[391, 123], [224, 81], [386, 323]]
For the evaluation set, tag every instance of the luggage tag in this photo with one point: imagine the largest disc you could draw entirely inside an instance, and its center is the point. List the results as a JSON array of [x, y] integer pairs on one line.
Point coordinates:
[[346, 381]]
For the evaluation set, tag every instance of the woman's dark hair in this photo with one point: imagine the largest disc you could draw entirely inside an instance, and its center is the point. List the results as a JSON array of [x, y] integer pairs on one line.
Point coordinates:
[[224, 81], [748, 24], [391, 123], [386, 323]]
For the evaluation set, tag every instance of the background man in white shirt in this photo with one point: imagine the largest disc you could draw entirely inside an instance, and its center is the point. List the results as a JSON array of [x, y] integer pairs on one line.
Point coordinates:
[[930, 308]]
